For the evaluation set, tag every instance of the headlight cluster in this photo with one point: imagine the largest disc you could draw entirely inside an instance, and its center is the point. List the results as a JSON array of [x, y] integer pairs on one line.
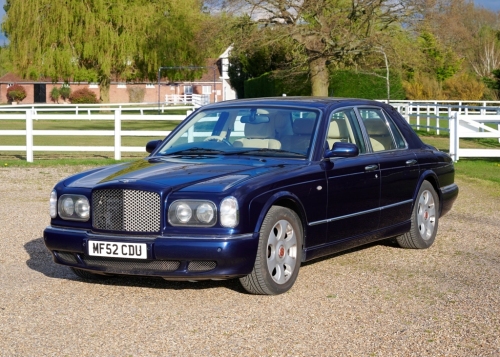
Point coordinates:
[[201, 213], [192, 213], [70, 207]]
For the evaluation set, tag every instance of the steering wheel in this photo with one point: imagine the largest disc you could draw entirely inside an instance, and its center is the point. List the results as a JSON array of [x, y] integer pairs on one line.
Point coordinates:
[[218, 139]]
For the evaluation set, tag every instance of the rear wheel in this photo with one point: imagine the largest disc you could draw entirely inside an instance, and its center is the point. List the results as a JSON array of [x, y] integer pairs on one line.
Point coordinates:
[[424, 220], [279, 254]]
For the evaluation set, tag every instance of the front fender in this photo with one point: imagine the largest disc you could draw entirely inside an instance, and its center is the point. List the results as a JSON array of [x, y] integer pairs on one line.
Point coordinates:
[[259, 207]]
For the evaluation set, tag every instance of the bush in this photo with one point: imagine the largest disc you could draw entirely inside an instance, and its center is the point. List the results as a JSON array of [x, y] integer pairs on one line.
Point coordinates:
[[423, 87], [16, 93], [65, 92], [54, 94], [83, 96], [464, 87], [136, 94]]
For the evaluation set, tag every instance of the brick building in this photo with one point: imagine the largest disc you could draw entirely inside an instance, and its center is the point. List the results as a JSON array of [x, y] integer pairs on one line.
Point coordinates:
[[214, 84]]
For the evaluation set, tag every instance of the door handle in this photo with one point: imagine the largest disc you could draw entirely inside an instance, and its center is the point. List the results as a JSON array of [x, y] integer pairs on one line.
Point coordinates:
[[371, 167], [411, 162]]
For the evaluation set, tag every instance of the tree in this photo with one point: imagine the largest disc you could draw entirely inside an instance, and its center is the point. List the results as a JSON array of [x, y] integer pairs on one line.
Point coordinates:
[[97, 41], [322, 32]]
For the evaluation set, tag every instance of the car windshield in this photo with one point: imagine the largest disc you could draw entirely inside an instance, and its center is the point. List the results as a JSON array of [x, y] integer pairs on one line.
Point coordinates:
[[263, 131]]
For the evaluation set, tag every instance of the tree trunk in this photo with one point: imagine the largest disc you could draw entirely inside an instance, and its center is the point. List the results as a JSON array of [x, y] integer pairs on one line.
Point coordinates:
[[319, 77], [104, 89]]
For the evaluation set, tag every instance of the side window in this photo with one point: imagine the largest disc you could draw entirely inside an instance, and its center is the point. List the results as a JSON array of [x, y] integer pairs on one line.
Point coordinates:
[[344, 127], [377, 129], [398, 137]]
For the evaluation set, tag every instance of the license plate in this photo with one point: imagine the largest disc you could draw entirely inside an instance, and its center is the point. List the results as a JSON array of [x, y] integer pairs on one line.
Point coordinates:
[[118, 250]]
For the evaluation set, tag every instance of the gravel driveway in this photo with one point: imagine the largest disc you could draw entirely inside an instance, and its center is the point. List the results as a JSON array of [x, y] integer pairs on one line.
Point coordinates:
[[375, 301]]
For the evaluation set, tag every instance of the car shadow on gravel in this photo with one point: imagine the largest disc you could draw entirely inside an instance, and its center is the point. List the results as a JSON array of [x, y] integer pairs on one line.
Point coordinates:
[[41, 261]]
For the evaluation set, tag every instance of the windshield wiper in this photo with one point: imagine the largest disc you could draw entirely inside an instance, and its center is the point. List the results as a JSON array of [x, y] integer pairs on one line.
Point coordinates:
[[196, 151], [265, 152]]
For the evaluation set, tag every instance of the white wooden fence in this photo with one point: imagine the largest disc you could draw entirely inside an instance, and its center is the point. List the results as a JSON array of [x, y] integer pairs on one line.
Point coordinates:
[[464, 120], [117, 114], [196, 100]]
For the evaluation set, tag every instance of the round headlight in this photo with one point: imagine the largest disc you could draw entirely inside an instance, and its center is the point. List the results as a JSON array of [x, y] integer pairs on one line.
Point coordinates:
[[68, 206], [183, 212], [82, 208], [205, 213], [53, 204]]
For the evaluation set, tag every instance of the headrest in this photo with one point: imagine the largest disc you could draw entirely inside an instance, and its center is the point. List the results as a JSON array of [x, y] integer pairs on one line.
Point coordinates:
[[376, 127], [281, 119], [259, 131], [303, 126], [337, 129]]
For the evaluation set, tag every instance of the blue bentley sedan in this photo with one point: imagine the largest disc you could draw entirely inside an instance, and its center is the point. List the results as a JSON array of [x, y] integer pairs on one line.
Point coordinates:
[[250, 189]]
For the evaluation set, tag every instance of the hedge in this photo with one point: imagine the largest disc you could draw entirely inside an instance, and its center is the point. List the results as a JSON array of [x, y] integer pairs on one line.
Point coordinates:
[[343, 83]]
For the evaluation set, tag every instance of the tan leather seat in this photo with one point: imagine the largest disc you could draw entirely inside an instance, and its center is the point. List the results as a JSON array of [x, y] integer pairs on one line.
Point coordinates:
[[259, 136], [379, 134], [337, 132], [301, 139]]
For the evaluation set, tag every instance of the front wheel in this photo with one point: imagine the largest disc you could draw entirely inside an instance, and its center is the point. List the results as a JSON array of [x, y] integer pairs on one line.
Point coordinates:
[[279, 253], [424, 220]]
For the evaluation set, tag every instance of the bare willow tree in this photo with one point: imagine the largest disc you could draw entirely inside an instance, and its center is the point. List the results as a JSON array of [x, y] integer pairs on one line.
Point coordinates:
[[321, 31]]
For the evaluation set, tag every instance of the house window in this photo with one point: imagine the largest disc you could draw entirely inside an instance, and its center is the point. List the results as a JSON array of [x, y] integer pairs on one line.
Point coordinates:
[[206, 90], [10, 85], [188, 89], [150, 85], [121, 85], [93, 85]]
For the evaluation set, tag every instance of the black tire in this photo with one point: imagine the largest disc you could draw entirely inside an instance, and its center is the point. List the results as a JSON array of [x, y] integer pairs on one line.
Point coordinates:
[[87, 275], [279, 254], [424, 220]]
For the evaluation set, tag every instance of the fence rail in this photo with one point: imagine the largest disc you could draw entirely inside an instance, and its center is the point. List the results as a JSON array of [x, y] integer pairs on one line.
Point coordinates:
[[461, 119], [117, 114]]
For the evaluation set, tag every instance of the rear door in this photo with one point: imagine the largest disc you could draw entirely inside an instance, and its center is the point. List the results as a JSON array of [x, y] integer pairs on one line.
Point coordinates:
[[399, 169]]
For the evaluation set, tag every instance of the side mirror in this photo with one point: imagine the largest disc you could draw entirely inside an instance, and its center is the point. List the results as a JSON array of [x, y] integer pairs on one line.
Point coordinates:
[[151, 146], [342, 150]]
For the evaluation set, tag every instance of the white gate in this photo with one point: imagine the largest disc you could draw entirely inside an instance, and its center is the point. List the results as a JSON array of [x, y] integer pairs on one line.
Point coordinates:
[[472, 126]]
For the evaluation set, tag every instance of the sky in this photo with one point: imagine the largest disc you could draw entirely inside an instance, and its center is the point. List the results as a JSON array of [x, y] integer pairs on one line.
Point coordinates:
[[488, 4]]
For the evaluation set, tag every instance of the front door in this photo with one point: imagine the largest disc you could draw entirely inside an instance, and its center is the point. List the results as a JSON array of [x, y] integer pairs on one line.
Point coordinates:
[[353, 183], [40, 93]]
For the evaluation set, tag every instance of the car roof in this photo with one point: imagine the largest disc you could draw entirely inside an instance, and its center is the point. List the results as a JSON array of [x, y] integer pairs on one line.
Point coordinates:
[[311, 102]]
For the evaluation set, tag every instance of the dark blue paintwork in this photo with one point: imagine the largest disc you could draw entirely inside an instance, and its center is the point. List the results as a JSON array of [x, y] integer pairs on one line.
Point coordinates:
[[343, 199]]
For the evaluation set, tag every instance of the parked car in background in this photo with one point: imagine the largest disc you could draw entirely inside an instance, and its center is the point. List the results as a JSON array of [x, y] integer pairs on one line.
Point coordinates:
[[250, 189]]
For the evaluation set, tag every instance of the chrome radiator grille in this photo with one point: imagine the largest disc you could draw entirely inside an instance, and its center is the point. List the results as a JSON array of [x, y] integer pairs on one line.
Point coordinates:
[[126, 210]]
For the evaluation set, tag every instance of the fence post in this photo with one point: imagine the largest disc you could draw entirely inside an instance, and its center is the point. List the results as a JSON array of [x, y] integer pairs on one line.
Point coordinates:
[[454, 136], [29, 135], [118, 135]]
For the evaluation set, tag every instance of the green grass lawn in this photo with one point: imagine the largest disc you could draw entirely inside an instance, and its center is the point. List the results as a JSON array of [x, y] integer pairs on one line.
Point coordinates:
[[485, 169]]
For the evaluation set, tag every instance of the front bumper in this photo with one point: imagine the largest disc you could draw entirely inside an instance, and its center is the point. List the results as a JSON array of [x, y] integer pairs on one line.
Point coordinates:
[[169, 257]]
